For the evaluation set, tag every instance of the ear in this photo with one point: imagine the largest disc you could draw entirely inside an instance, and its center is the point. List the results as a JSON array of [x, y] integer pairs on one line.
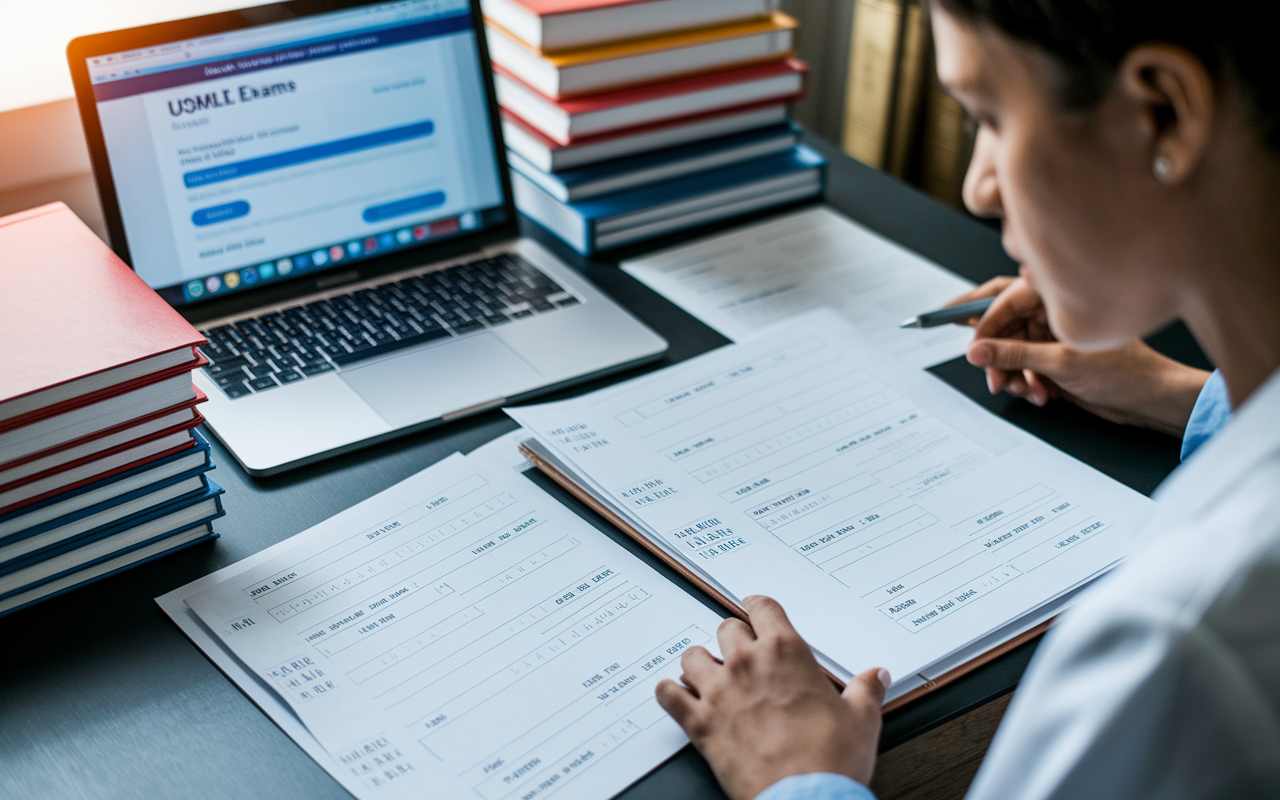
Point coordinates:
[[1178, 106]]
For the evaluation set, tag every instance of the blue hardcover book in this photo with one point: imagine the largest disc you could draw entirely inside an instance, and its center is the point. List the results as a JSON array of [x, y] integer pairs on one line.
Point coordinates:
[[571, 186], [624, 217], [142, 505], [162, 546], [103, 494], [81, 553]]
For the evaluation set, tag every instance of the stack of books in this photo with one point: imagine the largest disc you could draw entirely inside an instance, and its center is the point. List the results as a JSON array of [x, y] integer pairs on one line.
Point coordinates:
[[100, 465], [626, 119]]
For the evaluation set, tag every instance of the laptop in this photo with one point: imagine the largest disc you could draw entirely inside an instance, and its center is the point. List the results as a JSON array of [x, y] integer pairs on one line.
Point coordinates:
[[321, 188]]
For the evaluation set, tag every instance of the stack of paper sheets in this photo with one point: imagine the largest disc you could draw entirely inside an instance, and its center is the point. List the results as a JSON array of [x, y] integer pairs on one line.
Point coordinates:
[[899, 523], [461, 634]]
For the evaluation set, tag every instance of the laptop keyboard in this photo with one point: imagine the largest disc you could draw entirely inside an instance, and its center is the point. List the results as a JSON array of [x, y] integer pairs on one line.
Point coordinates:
[[259, 354]]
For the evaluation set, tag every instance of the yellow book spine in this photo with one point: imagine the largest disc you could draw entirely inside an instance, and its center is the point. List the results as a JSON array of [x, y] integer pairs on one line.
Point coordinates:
[[947, 147], [873, 51], [913, 69]]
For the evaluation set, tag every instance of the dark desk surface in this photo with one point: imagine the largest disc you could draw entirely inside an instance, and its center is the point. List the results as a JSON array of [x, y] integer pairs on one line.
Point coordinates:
[[101, 696]]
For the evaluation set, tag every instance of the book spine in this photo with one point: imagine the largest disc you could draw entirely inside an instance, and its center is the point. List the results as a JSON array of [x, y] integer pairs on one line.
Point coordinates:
[[873, 56], [945, 147], [556, 217], [914, 67]]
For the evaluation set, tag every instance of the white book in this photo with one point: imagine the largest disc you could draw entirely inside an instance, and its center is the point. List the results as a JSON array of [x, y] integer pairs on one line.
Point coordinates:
[[553, 25], [86, 420], [551, 156], [566, 120], [12, 495], [627, 173], [106, 568], [16, 472], [636, 62]]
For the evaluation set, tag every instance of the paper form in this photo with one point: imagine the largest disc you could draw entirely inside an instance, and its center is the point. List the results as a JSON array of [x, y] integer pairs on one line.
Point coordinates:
[[501, 452], [745, 280], [895, 520], [464, 635]]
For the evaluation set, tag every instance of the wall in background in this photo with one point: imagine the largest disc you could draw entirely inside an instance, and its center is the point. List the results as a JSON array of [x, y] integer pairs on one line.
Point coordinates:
[[35, 33], [43, 156]]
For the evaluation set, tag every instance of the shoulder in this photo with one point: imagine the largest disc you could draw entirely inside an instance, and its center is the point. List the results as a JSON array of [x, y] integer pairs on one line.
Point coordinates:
[[1178, 650], [1166, 675], [1201, 574]]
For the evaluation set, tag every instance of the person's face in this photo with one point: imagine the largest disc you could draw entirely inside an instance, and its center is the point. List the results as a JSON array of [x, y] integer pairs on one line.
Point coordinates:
[[1075, 188]]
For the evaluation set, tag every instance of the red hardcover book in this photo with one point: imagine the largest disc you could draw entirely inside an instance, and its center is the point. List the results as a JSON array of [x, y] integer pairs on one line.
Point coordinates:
[[566, 120], [112, 462], [77, 324], [98, 442]]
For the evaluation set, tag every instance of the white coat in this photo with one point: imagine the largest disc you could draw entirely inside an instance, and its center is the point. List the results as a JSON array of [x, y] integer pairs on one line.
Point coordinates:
[[1164, 681]]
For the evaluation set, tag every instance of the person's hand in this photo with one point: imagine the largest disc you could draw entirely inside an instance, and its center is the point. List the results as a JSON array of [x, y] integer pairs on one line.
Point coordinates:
[[767, 711], [1132, 385]]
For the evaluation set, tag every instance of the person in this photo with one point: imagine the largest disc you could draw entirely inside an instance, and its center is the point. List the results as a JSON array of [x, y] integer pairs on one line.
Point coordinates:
[[1131, 385], [1132, 148]]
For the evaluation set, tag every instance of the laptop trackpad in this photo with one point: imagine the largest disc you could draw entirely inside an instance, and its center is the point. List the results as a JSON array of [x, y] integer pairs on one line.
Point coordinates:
[[425, 384]]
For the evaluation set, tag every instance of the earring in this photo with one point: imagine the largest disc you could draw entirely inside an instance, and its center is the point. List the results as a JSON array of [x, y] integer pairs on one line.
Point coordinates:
[[1163, 168]]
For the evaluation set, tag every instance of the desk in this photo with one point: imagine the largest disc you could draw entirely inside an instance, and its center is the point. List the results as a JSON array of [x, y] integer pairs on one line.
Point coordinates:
[[101, 696]]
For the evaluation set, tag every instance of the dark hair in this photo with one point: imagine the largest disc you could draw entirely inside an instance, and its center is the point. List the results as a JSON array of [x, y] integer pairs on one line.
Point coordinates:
[[1089, 38]]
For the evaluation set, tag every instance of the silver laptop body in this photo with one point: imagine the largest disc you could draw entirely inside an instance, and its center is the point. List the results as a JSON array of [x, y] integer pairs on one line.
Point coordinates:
[[352, 257]]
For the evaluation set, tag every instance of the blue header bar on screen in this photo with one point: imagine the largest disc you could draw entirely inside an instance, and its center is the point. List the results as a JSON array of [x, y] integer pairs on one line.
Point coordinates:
[[290, 158], [292, 54]]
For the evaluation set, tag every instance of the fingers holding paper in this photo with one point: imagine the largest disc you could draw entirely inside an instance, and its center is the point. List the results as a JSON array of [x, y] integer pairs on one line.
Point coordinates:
[[767, 711]]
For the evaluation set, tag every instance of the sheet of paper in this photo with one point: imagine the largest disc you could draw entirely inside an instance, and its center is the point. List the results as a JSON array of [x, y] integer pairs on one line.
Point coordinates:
[[501, 452], [747, 279], [897, 521], [464, 635], [262, 695]]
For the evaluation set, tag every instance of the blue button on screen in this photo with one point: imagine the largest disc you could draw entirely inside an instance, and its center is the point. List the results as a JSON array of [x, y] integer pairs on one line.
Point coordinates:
[[408, 205], [222, 213]]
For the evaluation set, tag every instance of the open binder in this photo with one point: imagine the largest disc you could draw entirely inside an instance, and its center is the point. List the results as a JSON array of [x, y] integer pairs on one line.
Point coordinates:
[[899, 524], [595, 505]]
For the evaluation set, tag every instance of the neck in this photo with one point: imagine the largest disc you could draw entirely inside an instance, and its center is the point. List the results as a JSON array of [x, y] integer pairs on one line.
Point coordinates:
[[1231, 300], [1239, 329], [1233, 306]]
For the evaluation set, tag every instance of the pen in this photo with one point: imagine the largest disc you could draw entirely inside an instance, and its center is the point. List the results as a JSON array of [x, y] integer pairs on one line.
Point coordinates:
[[942, 316]]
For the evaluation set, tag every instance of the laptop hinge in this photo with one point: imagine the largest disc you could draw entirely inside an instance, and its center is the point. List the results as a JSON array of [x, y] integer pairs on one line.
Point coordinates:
[[477, 408]]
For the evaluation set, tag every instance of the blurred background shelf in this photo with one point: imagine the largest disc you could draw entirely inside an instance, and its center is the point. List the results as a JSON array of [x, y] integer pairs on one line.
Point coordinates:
[[891, 115]]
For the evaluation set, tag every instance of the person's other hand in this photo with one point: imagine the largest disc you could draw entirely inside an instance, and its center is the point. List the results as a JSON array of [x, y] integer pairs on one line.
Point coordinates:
[[1132, 385], [767, 711]]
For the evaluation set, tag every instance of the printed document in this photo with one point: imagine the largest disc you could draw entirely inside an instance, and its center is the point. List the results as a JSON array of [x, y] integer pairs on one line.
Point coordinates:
[[745, 280], [897, 522], [462, 634]]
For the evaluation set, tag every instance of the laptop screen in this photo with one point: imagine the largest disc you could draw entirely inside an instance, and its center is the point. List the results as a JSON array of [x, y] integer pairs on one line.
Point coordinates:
[[254, 155]]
